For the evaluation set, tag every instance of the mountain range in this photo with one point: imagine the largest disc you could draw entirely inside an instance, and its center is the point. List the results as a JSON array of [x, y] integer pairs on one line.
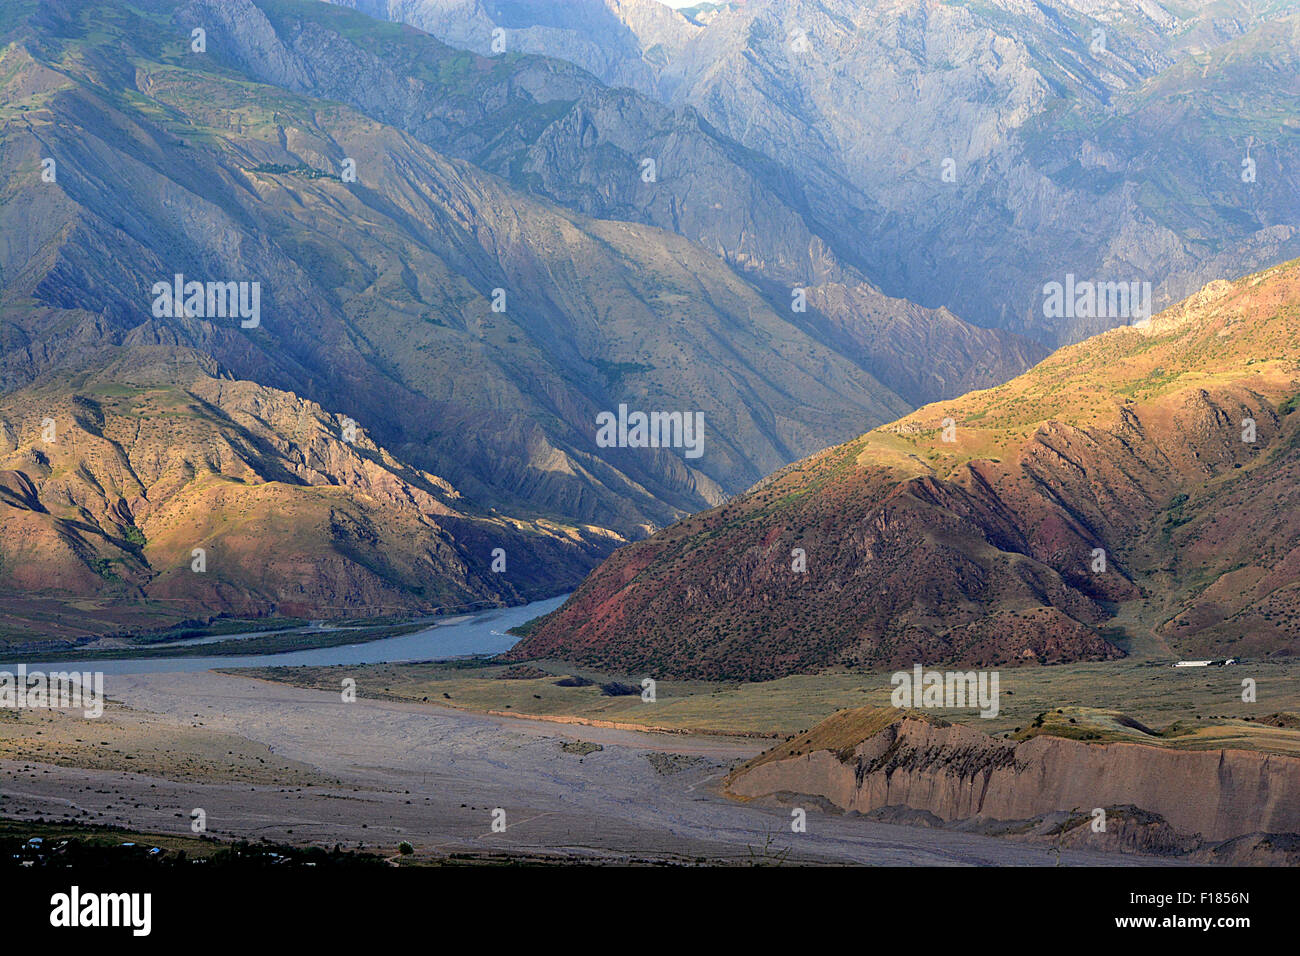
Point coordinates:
[[962, 154], [463, 250]]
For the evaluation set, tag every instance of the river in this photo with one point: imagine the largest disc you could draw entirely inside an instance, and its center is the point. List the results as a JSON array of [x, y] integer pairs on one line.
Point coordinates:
[[483, 632]]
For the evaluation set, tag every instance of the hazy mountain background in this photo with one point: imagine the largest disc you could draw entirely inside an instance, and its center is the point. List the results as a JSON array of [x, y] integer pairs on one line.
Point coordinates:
[[1097, 137]]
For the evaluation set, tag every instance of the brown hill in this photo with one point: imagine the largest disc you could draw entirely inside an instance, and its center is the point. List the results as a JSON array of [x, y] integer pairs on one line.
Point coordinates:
[[110, 479], [982, 549]]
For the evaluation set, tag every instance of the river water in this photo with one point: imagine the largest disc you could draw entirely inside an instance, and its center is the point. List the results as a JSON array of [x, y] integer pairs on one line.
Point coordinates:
[[483, 632]]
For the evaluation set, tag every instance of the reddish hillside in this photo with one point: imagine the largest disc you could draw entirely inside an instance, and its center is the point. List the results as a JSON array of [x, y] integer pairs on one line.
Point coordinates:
[[981, 549]]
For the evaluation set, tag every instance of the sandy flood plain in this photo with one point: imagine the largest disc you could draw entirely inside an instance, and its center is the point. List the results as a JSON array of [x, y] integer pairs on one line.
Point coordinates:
[[301, 766]]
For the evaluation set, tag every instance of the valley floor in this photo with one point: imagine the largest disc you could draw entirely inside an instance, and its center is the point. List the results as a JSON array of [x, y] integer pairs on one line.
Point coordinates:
[[1185, 708], [298, 765]]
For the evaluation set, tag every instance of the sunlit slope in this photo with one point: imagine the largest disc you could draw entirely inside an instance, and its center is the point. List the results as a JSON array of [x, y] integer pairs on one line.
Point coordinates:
[[1110, 481], [149, 490]]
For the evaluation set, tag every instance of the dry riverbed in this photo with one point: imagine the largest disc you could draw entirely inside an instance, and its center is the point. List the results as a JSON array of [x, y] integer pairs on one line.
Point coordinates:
[[299, 765]]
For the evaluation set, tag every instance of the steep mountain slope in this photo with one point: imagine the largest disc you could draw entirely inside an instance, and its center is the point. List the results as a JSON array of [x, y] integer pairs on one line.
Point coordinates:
[[1007, 526], [110, 478], [1100, 139], [552, 130], [624, 42], [378, 296]]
